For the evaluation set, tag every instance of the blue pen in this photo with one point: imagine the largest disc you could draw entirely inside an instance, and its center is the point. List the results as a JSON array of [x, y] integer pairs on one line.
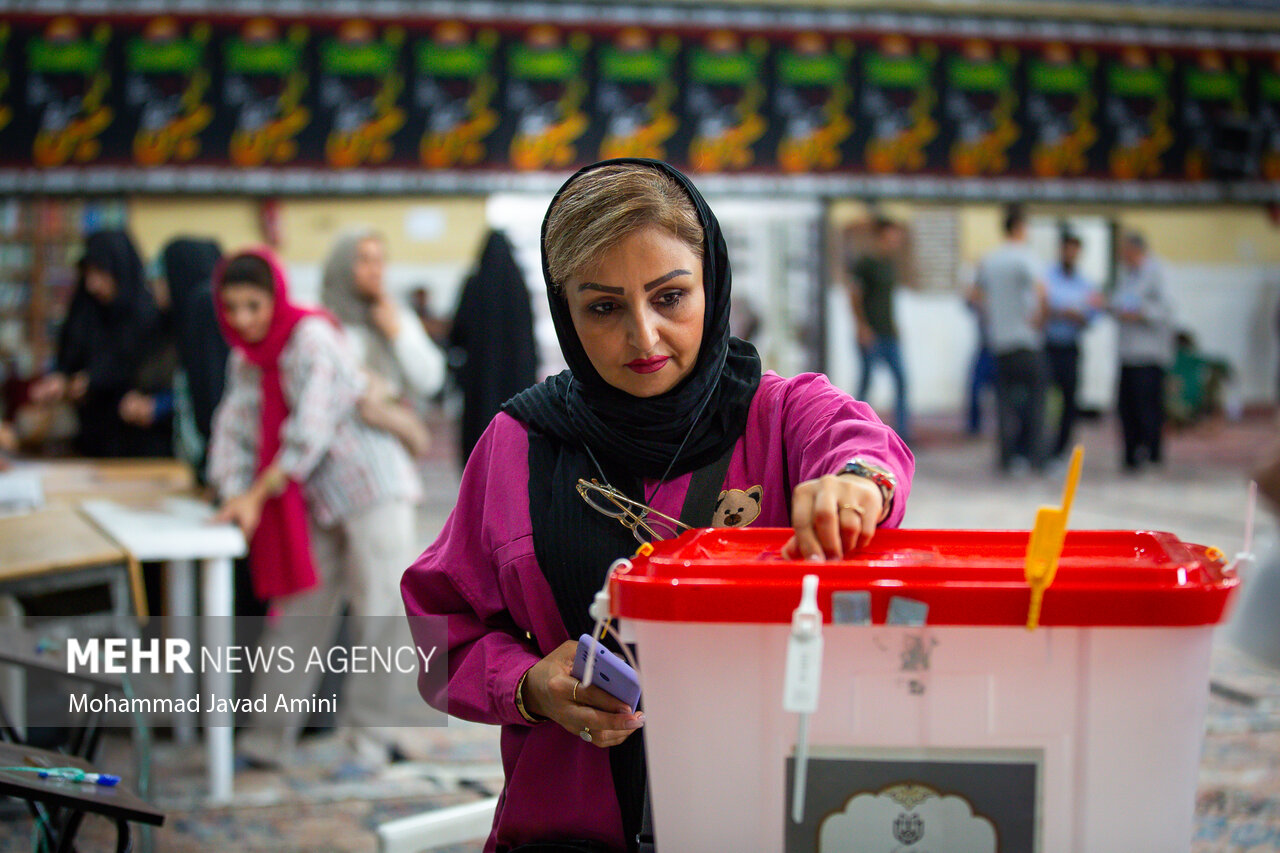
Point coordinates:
[[73, 775]]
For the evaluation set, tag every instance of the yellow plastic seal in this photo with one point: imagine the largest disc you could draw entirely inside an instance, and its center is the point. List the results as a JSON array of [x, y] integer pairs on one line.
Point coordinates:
[[1045, 546]]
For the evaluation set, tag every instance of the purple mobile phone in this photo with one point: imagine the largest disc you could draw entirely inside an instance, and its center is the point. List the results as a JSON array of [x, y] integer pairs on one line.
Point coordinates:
[[610, 673]]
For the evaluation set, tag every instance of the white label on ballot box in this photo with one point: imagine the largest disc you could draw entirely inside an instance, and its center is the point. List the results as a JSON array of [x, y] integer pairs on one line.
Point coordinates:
[[804, 653], [804, 675]]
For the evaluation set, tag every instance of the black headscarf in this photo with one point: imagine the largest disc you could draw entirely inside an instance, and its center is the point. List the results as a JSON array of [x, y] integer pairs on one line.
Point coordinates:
[[111, 343], [187, 264], [689, 427], [705, 413], [493, 328]]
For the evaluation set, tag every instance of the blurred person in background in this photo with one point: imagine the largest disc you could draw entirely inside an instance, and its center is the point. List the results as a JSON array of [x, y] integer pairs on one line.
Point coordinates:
[[403, 365], [1012, 295], [1073, 303], [491, 340], [113, 342], [185, 275], [982, 373], [872, 281], [1142, 307], [10, 393], [325, 499], [436, 326], [1194, 386], [8, 443], [744, 321]]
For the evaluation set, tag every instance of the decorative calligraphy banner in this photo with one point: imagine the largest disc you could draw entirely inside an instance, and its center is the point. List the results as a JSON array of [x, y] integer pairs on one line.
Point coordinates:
[[224, 101]]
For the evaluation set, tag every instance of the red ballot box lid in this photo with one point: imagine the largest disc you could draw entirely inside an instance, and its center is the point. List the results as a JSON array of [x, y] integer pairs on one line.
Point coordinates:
[[964, 577]]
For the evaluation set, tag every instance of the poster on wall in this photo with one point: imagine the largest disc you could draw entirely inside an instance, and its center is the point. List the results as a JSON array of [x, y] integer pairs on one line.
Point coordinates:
[[169, 99], [267, 90], [1061, 111], [69, 97], [877, 104], [725, 101], [634, 106], [980, 109], [813, 103], [898, 113], [1138, 112], [1213, 100], [547, 97], [455, 95], [359, 108]]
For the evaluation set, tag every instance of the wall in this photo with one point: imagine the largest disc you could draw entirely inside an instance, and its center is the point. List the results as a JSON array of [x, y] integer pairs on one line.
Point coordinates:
[[154, 221], [431, 241]]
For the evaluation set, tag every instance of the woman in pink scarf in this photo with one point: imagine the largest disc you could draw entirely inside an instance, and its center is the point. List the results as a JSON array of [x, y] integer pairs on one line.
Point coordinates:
[[325, 500]]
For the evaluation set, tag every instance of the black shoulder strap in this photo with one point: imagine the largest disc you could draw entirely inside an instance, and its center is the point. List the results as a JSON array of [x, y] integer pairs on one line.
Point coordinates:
[[704, 490]]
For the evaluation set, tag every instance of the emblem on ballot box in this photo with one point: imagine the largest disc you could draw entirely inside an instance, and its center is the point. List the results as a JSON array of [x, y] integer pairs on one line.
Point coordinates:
[[868, 822], [908, 828], [919, 801]]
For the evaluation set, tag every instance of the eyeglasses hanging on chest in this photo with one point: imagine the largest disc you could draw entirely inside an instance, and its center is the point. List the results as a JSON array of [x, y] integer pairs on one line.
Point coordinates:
[[644, 522]]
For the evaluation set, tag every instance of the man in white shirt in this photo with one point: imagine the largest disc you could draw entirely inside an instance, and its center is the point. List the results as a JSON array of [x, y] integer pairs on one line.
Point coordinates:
[[1013, 297], [1142, 307]]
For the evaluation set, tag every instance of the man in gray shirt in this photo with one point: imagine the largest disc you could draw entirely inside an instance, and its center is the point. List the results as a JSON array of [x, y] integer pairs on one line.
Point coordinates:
[[1012, 294], [1144, 312]]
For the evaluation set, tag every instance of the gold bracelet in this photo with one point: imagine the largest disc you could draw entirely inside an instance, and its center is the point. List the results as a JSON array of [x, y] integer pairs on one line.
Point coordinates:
[[529, 718]]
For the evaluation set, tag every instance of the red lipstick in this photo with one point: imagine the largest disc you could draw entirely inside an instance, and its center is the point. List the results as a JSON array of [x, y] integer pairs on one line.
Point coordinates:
[[648, 365]]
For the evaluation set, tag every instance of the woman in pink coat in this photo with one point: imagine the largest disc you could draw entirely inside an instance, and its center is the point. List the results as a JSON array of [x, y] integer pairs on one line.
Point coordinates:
[[660, 404]]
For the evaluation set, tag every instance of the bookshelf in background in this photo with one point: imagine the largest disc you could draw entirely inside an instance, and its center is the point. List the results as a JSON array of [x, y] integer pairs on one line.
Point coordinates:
[[40, 241]]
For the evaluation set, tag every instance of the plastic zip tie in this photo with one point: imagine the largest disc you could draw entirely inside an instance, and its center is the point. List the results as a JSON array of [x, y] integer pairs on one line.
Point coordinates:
[[1245, 557], [801, 769], [600, 609], [802, 680]]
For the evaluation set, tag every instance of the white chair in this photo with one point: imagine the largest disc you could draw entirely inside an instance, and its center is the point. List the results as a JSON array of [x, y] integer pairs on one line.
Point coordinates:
[[439, 828]]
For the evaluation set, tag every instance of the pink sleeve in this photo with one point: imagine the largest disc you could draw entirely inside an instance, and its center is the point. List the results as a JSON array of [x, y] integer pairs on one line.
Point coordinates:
[[459, 578], [823, 428]]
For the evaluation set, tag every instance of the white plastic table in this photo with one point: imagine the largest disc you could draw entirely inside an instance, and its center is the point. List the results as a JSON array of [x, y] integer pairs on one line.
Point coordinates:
[[177, 531]]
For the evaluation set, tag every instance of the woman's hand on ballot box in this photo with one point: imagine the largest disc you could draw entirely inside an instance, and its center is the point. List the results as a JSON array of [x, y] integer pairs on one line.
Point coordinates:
[[833, 515]]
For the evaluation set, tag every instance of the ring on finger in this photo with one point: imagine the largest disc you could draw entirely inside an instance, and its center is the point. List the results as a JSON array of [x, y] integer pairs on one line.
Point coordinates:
[[575, 692], [857, 509]]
